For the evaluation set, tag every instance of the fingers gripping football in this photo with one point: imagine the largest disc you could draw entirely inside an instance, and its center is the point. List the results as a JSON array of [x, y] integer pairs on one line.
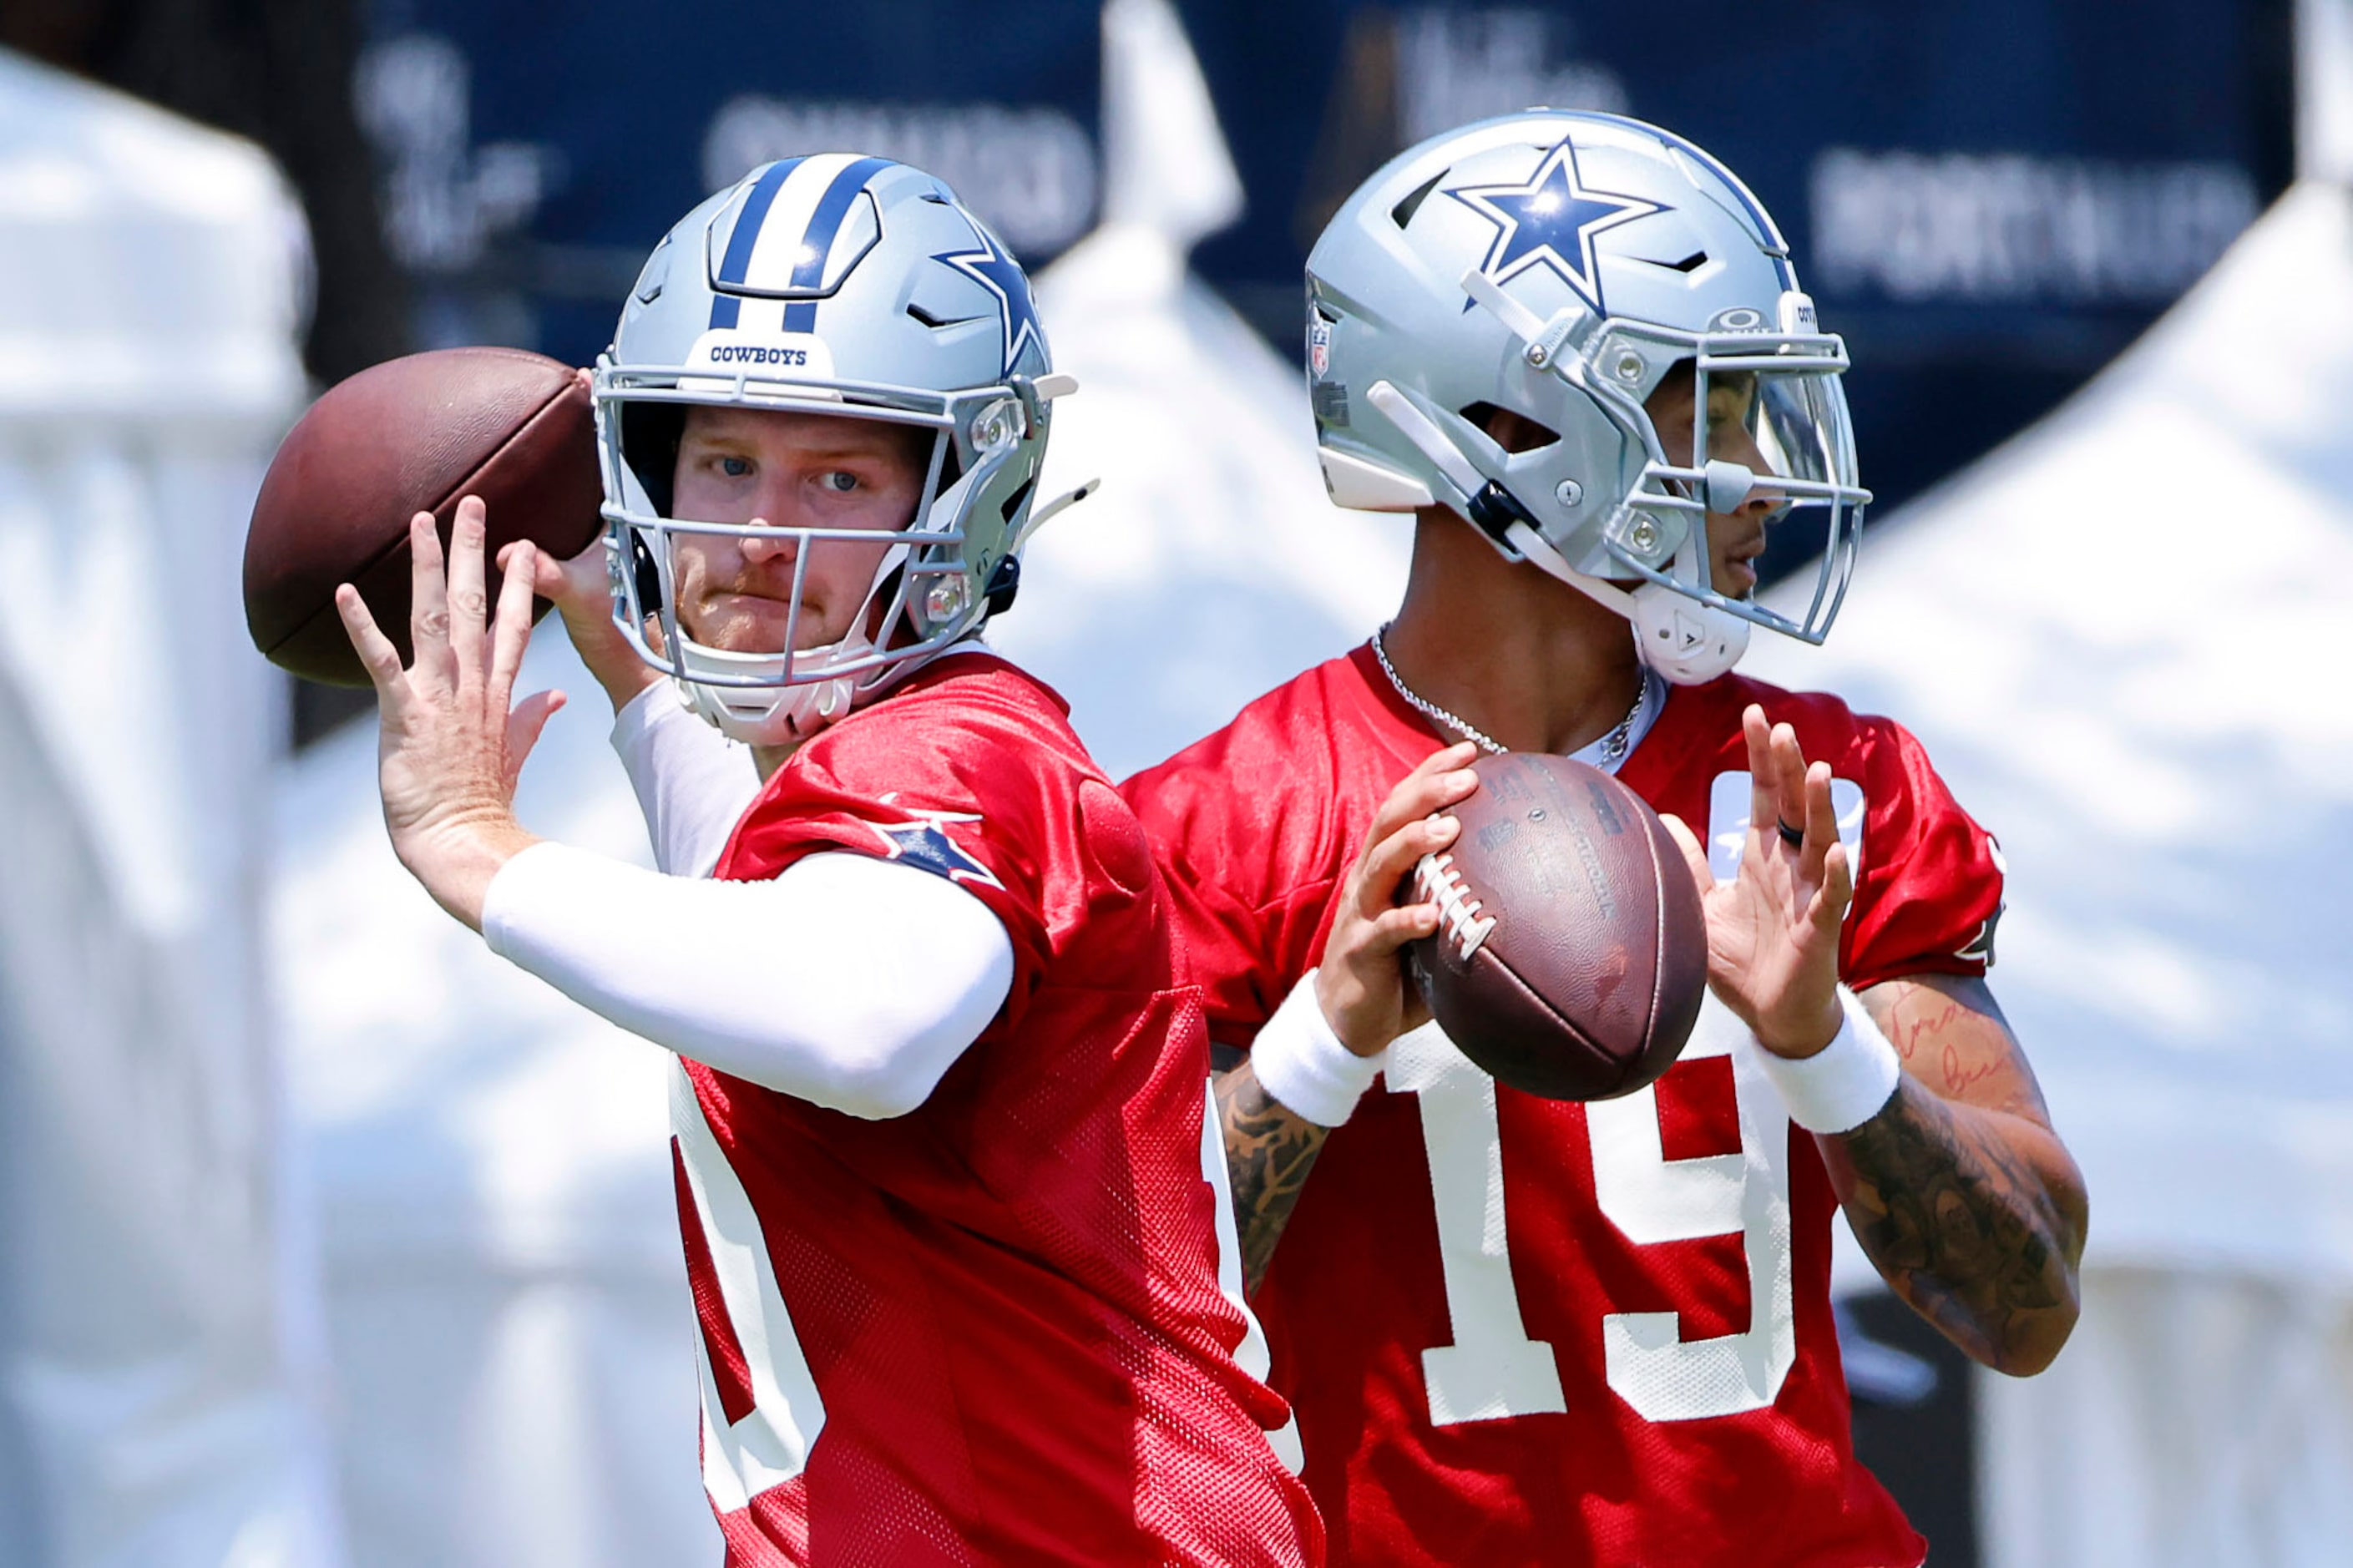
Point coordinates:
[[581, 589], [1361, 982], [450, 748], [1773, 930]]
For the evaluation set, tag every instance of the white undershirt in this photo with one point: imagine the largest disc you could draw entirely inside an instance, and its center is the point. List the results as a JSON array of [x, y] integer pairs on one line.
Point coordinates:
[[692, 783], [849, 981]]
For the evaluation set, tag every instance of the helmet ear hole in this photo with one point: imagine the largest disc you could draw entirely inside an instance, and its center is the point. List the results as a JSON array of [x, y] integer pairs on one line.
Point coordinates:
[[1514, 432], [650, 438], [649, 575]]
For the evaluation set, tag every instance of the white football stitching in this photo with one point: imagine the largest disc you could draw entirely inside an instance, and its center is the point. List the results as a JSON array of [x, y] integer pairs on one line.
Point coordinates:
[[1436, 878]]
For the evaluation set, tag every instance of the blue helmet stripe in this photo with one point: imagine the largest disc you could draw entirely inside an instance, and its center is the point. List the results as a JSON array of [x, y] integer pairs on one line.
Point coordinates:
[[825, 224], [738, 260]]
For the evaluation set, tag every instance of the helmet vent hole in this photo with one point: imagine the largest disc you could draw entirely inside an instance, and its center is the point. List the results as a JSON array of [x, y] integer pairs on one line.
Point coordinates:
[[1512, 431], [1690, 263], [1014, 502], [933, 321], [1402, 214]]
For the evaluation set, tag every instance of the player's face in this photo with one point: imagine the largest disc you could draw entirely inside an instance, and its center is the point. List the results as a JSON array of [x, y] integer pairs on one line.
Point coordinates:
[[1735, 539], [785, 470]]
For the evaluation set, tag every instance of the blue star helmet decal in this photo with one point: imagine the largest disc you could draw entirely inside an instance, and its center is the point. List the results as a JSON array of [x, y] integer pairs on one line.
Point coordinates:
[[1551, 221], [994, 270], [923, 843]]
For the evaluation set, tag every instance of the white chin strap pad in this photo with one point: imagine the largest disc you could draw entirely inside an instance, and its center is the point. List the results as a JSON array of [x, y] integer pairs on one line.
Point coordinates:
[[1686, 641], [780, 715], [787, 715]]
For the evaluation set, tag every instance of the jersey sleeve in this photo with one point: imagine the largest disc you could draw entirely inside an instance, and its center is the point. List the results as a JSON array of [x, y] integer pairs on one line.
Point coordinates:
[[1930, 889], [931, 787], [1247, 939]]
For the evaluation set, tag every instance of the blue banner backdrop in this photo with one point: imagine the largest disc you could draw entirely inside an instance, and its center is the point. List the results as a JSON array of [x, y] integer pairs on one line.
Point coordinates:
[[1989, 200], [532, 153]]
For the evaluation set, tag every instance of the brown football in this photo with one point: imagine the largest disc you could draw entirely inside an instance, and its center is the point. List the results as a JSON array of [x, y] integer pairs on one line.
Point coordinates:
[[408, 435], [1571, 955]]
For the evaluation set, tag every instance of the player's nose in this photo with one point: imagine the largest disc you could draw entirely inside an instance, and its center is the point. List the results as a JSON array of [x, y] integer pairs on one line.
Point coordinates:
[[768, 543], [1764, 499]]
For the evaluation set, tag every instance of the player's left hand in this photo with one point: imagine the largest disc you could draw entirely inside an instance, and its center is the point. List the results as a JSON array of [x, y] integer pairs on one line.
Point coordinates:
[[450, 750], [1773, 930]]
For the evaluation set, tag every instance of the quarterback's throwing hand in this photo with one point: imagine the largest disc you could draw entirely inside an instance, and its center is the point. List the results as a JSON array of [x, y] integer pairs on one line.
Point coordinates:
[[450, 750], [1773, 930], [582, 591], [1360, 983]]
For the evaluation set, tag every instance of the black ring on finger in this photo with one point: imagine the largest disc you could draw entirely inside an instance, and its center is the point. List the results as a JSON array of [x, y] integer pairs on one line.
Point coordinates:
[[1794, 837]]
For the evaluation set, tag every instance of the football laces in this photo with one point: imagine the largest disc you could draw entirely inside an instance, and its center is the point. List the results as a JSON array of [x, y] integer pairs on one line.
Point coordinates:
[[1437, 879]]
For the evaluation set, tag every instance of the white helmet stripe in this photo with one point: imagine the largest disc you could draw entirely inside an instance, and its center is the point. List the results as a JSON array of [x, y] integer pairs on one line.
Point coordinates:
[[791, 243], [777, 252]]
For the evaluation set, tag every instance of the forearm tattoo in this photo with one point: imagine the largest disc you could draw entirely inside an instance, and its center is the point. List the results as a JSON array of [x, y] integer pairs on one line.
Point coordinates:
[[1948, 1204], [1268, 1152]]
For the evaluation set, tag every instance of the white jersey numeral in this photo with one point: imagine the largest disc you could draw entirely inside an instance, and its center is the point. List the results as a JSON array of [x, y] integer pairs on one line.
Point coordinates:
[[770, 1445], [1653, 1199], [1252, 1354], [1493, 1369]]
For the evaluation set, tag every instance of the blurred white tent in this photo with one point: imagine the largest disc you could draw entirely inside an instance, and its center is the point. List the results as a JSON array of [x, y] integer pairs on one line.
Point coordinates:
[[507, 1307], [157, 1318], [1210, 567], [2119, 635], [510, 1317]]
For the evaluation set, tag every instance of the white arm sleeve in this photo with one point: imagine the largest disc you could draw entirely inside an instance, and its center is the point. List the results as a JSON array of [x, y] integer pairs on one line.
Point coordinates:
[[849, 981], [693, 783]]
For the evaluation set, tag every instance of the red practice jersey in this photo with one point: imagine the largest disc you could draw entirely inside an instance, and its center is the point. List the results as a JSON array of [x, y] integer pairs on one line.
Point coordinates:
[[991, 1331], [1520, 1331]]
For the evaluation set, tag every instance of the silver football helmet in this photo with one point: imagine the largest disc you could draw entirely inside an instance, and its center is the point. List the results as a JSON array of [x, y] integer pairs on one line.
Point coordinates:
[[1561, 265], [839, 285]]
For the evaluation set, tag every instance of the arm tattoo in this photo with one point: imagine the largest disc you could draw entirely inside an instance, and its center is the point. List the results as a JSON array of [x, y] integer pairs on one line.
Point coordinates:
[[1268, 1152], [1972, 1211]]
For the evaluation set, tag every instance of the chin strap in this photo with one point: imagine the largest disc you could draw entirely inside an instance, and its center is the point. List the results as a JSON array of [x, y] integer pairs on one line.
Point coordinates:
[[792, 712], [1686, 641]]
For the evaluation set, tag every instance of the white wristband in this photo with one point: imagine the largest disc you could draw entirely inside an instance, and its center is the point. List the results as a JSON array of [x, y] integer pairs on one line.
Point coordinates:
[[1303, 1064], [1844, 1084]]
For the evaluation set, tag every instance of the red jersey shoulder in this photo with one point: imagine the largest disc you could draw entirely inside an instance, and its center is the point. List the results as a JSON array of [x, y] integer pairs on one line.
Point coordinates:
[[1928, 887], [1220, 789], [1252, 825], [961, 772]]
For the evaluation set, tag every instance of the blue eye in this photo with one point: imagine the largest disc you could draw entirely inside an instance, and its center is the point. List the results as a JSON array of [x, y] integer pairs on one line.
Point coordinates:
[[839, 479], [734, 467]]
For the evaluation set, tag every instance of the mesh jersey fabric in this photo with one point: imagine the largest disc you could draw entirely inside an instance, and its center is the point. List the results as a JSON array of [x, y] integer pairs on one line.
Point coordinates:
[[989, 1331], [1616, 1382]]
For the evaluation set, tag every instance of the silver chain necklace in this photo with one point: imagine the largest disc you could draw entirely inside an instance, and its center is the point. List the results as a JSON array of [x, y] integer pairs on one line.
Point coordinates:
[[1613, 744]]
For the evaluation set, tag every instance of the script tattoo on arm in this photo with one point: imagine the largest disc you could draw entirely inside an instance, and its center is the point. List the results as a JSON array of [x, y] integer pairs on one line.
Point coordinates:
[[1268, 1152], [1959, 1191]]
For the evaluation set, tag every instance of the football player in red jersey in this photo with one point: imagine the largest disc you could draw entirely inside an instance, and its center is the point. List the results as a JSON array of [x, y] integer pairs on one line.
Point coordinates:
[[947, 1172], [1517, 1331]]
